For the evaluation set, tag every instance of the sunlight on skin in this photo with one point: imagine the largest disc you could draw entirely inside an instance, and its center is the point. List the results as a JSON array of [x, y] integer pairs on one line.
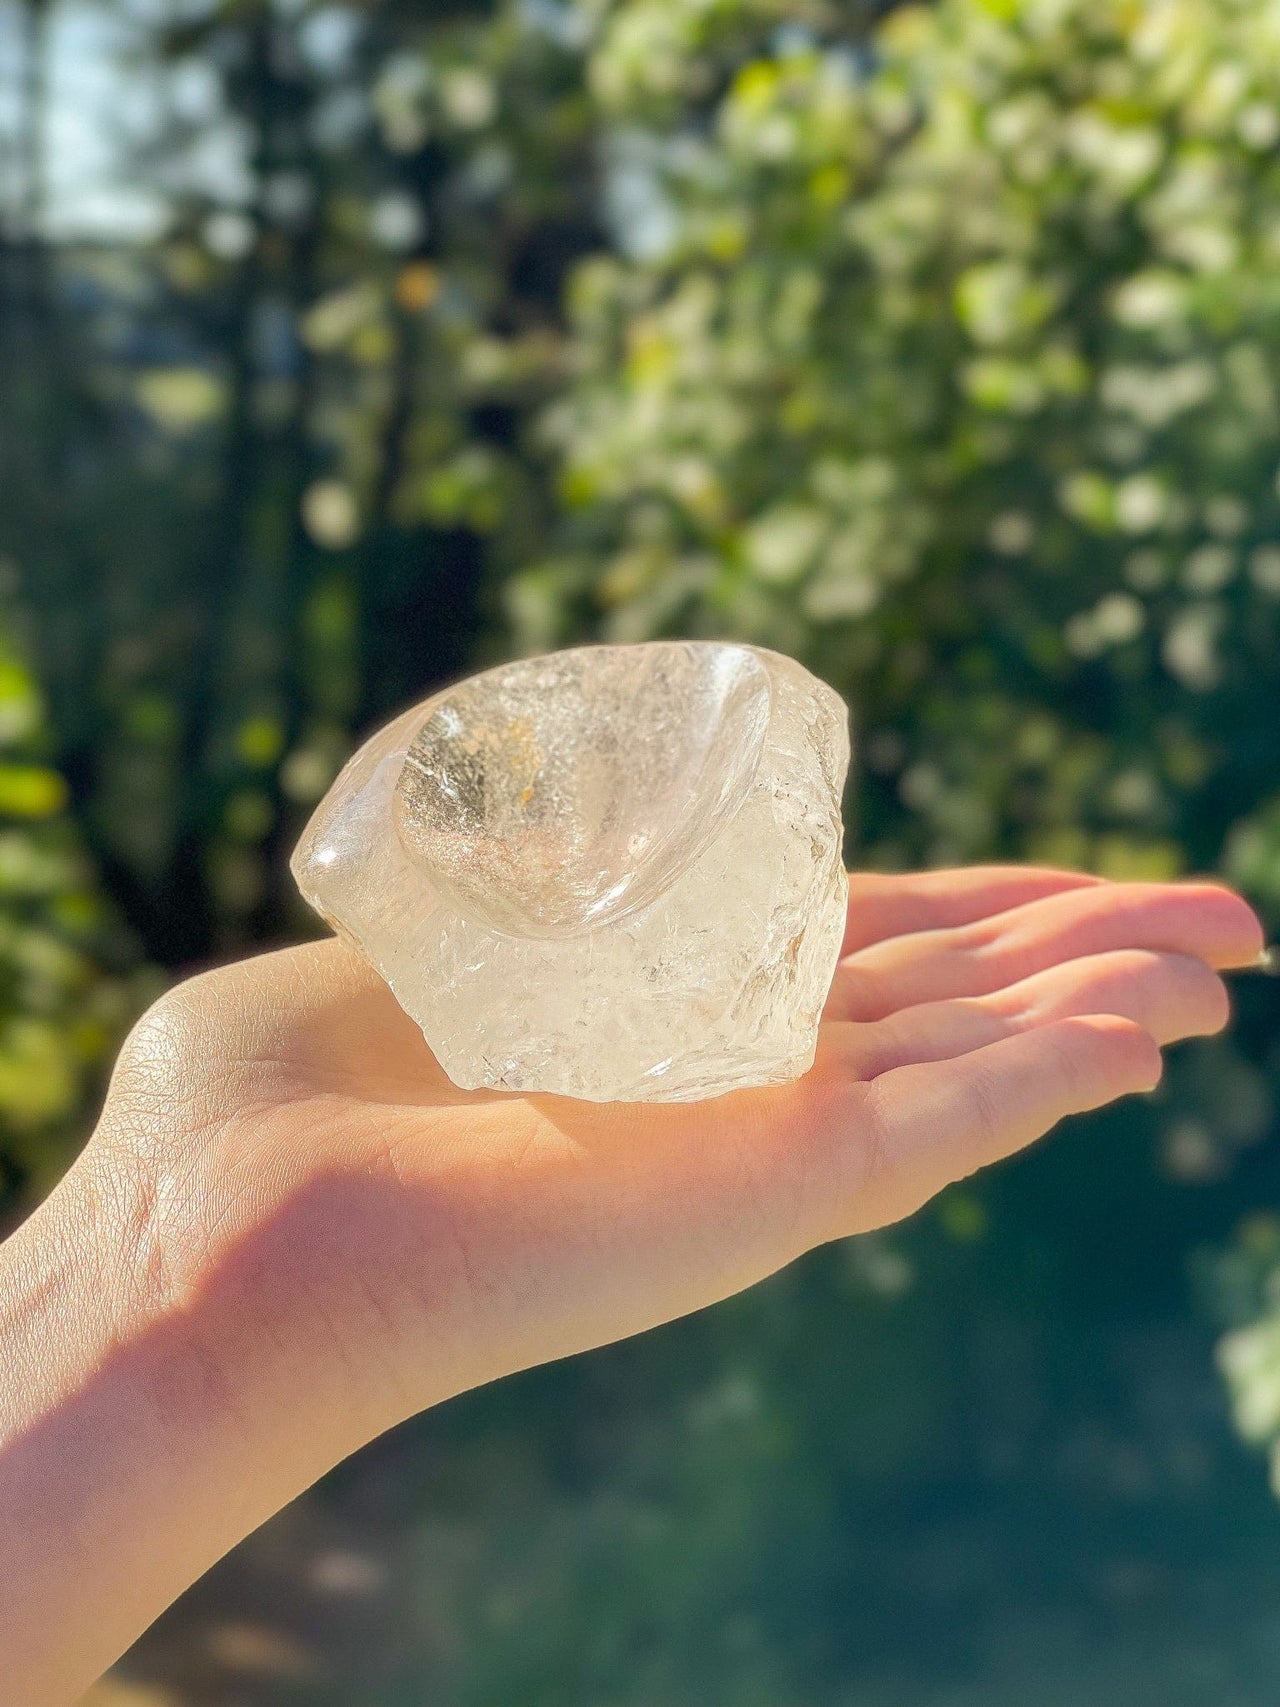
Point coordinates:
[[290, 1231]]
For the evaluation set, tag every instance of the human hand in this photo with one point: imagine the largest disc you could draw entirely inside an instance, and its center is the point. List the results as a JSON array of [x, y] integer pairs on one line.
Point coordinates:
[[297, 1145], [290, 1230]]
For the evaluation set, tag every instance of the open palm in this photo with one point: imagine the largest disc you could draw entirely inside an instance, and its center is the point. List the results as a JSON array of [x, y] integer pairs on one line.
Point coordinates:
[[313, 1156]]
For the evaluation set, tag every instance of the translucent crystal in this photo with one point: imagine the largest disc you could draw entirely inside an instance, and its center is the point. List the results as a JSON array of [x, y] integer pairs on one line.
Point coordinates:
[[613, 872]]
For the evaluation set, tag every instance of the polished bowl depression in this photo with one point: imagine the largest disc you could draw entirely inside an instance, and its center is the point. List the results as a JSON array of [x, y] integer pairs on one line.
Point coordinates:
[[554, 795]]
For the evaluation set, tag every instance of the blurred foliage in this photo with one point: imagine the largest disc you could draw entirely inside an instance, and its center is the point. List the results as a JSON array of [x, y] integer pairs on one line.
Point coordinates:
[[939, 346], [1247, 1282], [59, 1009], [955, 371], [256, 458]]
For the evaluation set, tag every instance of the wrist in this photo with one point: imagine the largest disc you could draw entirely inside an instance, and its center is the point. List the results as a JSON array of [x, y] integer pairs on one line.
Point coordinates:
[[199, 1245], [143, 1431]]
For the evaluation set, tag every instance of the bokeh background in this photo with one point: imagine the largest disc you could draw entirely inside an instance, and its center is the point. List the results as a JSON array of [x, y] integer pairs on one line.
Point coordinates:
[[346, 345]]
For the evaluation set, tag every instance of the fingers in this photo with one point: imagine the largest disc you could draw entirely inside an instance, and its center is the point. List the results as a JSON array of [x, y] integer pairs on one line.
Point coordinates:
[[936, 1122], [1196, 919], [885, 906], [1171, 996]]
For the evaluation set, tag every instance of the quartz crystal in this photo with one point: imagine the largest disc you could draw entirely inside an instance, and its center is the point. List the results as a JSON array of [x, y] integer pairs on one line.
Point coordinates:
[[613, 872]]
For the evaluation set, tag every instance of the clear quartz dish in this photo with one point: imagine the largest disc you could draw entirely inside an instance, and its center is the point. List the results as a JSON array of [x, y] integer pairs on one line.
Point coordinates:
[[613, 872]]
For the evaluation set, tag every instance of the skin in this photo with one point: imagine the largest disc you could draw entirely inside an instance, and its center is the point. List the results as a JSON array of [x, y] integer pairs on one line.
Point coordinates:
[[290, 1231]]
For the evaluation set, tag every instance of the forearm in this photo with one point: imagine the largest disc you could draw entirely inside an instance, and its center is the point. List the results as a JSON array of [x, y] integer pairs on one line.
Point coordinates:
[[139, 1439]]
